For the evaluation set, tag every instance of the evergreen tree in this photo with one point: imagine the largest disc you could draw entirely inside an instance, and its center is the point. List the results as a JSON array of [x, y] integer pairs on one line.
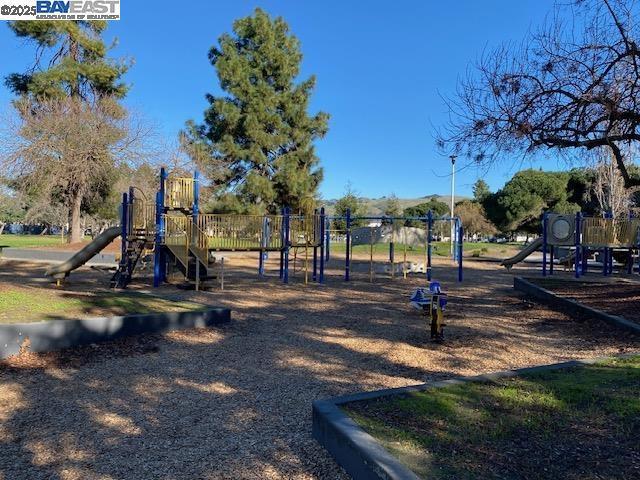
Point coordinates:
[[349, 201], [71, 76], [259, 137], [77, 67], [480, 190], [391, 206]]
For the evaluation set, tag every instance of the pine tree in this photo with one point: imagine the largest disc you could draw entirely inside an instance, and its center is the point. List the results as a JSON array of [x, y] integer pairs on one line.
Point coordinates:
[[259, 137], [71, 73], [77, 63]]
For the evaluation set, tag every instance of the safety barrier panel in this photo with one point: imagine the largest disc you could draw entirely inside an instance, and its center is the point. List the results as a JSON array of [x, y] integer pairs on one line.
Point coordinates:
[[142, 216], [305, 231], [179, 193], [610, 232], [242, 232], [176, 236]]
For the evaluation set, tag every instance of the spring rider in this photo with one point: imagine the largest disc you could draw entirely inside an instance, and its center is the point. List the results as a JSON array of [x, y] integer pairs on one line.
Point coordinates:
[[432, 303]]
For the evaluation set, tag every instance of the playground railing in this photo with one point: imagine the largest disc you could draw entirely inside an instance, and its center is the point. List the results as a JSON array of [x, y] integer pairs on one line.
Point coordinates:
[[199, 242], [305, 231], [179, 193], [176, 237], [142, 217], [242, 232], [610, 232]]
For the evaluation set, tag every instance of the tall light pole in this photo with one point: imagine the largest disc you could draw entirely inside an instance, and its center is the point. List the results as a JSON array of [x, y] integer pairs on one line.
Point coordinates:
[[453, 192]]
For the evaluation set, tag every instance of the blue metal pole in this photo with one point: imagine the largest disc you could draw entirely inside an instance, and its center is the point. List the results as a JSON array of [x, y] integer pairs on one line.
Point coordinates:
[[314, 276], [347, 266], [630, 254], [282, 238], [328, 242], [323, 226], [429, 234], [460, 247], [577, 261], [196, 196], [161, 224], [157, 252], [286, 245], [263, 243], [456, 230], [124, 222], [544, 244]]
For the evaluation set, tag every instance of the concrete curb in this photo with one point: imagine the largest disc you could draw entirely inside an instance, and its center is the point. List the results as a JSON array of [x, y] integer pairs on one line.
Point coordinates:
[[53, 256], [58, 334], [362, 457], [572, 306]]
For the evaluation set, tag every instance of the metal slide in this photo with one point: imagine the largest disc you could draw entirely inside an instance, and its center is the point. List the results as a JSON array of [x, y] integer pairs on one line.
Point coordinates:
[[522, 254], [63, 269]]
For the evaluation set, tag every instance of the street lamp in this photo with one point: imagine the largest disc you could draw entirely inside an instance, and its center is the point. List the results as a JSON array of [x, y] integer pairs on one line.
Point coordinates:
[[453, 192]]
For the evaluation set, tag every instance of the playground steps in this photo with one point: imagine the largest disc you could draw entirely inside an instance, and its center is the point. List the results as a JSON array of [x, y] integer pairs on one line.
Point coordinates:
[[128, 264], [187, 263]]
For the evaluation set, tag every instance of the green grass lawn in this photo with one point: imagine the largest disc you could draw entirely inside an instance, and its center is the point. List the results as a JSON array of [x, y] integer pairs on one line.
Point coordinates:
[[30, 241], [21, 304], [567, 424]]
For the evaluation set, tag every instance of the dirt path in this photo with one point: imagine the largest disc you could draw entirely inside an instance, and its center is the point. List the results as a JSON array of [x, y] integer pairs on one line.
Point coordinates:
[[235, 402]]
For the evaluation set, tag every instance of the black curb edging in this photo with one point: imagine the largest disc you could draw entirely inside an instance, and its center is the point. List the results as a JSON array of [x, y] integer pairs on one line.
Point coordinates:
[[58, 334], [362, 456], [572, 307]]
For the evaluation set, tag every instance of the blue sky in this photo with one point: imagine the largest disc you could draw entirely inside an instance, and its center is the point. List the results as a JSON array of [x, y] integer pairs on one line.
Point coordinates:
[[381, 69]]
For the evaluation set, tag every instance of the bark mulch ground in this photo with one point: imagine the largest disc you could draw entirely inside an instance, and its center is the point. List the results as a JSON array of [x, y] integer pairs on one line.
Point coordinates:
[[235, 401], [621, 298]]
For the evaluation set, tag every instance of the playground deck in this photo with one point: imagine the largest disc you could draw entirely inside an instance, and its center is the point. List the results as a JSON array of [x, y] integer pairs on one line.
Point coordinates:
[[235, 402]]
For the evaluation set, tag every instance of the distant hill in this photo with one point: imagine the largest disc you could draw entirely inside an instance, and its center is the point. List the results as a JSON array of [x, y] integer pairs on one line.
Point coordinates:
[[375, 206]]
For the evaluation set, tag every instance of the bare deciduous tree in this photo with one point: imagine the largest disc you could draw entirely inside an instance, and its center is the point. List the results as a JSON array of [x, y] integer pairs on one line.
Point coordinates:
[[58, 149], [609, 188], [573, 84]]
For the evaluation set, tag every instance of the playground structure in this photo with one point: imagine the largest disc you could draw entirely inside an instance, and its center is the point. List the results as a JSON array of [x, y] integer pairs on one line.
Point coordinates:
[[179, 237], [606, 236], [584, 237]]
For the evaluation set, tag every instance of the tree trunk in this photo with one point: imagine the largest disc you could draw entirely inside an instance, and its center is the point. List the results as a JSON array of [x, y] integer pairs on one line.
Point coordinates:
[[2, 224], [75, 234]]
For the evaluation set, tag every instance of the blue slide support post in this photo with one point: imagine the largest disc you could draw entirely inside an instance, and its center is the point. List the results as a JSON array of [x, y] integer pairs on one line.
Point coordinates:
[[130, 228], [124, 223], [323, 226], [347, 265], [163, 260], [158, 262], [429, 234]]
